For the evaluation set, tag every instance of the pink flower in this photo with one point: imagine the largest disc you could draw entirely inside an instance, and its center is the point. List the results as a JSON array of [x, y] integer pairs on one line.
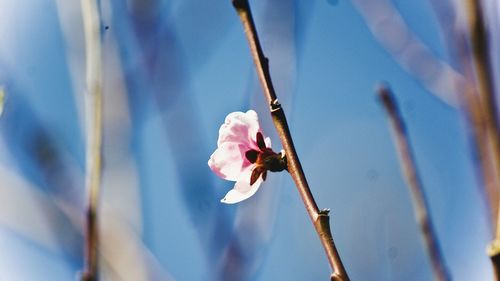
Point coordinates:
[[243, 155]]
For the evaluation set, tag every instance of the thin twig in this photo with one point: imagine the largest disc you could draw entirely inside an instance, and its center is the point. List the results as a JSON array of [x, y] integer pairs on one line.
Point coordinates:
[[420, 206], [457, 43], [457, 36], [320, 218], [485, 170], [92, 26], [486, 91], [2, 100]]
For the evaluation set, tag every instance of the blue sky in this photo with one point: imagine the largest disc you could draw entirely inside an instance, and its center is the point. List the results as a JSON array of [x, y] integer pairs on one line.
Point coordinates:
[[325, 63]]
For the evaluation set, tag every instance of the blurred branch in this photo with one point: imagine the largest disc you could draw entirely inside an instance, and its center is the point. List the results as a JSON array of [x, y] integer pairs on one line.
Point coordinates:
[[456, 38], [54, 221], [485, 89], [487, 102], [319, 218], [485, 168], [408, 165], [92, 25], [456, 88], [40, 219], [2, 100], [39, 157], [409, 52], [124, 254], [446, 16], [154, 67]]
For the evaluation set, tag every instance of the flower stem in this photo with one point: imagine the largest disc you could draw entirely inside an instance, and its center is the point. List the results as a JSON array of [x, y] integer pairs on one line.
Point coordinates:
[[320, 218], [420, 206], [91, 23], [487, 102]]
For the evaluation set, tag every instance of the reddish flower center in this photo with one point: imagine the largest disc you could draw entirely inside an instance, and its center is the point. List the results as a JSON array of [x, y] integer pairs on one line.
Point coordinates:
[[265, 159]]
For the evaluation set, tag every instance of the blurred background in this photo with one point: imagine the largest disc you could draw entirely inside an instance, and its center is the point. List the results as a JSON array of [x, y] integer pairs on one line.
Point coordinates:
[[172, 71]]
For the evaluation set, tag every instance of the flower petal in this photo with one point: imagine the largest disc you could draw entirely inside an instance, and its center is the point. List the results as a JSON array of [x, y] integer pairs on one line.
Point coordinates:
[[239, 127], [235, 195], [242, 189], [268, 142], [229, 160]]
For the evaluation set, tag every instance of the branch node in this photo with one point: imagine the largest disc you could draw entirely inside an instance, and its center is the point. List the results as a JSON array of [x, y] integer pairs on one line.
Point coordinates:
[[337, 277], [265, 62], [275, 105], [324, 212], [493, 249]]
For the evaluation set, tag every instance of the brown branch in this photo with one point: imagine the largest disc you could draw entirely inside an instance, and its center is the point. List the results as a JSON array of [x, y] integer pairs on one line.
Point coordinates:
[[457, 42], [2, 100], [91, 23], [487, 102], [408, 165], [320, 218]]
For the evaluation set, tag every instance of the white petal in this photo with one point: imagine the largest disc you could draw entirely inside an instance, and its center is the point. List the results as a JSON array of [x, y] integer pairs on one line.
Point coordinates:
[[242, 189], [235, 195], [228, 161], [268, 142], [239, 127]]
